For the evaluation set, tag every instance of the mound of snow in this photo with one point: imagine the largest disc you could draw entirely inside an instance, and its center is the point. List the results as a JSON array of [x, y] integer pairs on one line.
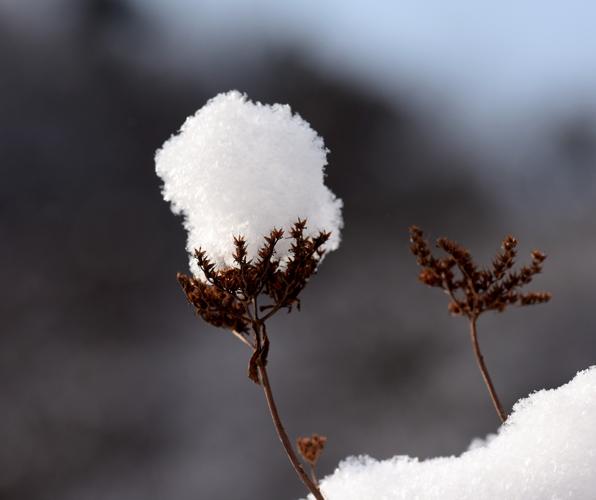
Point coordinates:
[[545, 450], [243, 168]]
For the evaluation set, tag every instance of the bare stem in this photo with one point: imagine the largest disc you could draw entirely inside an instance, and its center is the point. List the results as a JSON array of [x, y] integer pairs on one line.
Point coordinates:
[[260, 331], [487, 380], [313, 475], [242, 339], [283, 436]]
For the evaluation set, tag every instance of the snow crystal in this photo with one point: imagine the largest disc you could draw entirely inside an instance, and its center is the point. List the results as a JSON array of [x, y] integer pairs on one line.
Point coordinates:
[[545, 450], [242, 168]]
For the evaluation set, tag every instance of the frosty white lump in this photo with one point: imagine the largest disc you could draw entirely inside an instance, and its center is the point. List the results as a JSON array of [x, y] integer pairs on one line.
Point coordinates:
[[242, 168], [545, 450]]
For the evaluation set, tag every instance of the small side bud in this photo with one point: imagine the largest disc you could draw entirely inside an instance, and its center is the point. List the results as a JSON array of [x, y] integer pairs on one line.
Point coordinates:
[[429, 277], [538, 256], [311, 447], [454, 309]]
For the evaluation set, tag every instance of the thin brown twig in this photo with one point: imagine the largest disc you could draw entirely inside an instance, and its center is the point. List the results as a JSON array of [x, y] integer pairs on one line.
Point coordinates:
[[275, 307], [242, 339], [260, 331], [283, 436], [485, 375], [313, 475]]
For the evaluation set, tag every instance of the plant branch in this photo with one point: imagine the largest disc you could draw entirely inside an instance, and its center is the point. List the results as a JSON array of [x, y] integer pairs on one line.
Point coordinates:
[[485, 375], [261, 334], [481, 290], [313, 475], [228, 298], [283, 436], [243, 339]]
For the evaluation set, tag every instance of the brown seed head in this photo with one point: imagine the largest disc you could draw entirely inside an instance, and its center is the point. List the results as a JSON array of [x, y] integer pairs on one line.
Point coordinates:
[[311, 447], [477, 290], [225, 298]]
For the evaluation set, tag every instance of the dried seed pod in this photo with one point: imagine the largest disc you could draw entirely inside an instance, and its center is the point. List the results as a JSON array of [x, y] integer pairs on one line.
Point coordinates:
[[311, 448]]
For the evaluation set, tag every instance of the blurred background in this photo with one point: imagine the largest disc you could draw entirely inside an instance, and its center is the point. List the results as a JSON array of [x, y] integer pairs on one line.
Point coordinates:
[[473, 120]]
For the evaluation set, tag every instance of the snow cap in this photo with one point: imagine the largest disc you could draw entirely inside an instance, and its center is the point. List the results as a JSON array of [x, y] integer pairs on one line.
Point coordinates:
[[242, 168]]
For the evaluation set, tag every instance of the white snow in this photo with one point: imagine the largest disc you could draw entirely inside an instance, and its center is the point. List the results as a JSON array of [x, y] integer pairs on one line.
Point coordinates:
[[546, 450], [242, 168]]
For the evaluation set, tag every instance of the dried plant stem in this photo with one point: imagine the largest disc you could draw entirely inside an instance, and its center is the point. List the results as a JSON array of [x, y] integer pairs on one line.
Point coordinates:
[[242, 339], [283, 436], [485, 375], [228, 298], [261, 338], [313, 475], [311, 484]]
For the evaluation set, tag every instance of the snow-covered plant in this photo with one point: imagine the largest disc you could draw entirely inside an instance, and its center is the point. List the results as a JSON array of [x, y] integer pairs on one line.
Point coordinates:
[[249, 180], [243, 168], [473, 291]]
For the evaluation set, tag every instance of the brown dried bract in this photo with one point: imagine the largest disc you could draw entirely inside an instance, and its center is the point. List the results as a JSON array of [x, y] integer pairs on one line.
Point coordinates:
[[474, 290], [227, 297], [311, 448]]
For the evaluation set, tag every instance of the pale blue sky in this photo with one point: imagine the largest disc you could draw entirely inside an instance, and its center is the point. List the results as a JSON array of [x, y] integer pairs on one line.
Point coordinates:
[[497, 70], [490, 55], [485, 57]]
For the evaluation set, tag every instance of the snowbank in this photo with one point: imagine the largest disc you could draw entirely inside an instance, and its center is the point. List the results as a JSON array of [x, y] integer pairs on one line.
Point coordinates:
[[546, 450]]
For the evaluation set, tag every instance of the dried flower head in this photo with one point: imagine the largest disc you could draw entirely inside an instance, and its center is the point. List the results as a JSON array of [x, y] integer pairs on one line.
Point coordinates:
[[228, 297], [473, 290]]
